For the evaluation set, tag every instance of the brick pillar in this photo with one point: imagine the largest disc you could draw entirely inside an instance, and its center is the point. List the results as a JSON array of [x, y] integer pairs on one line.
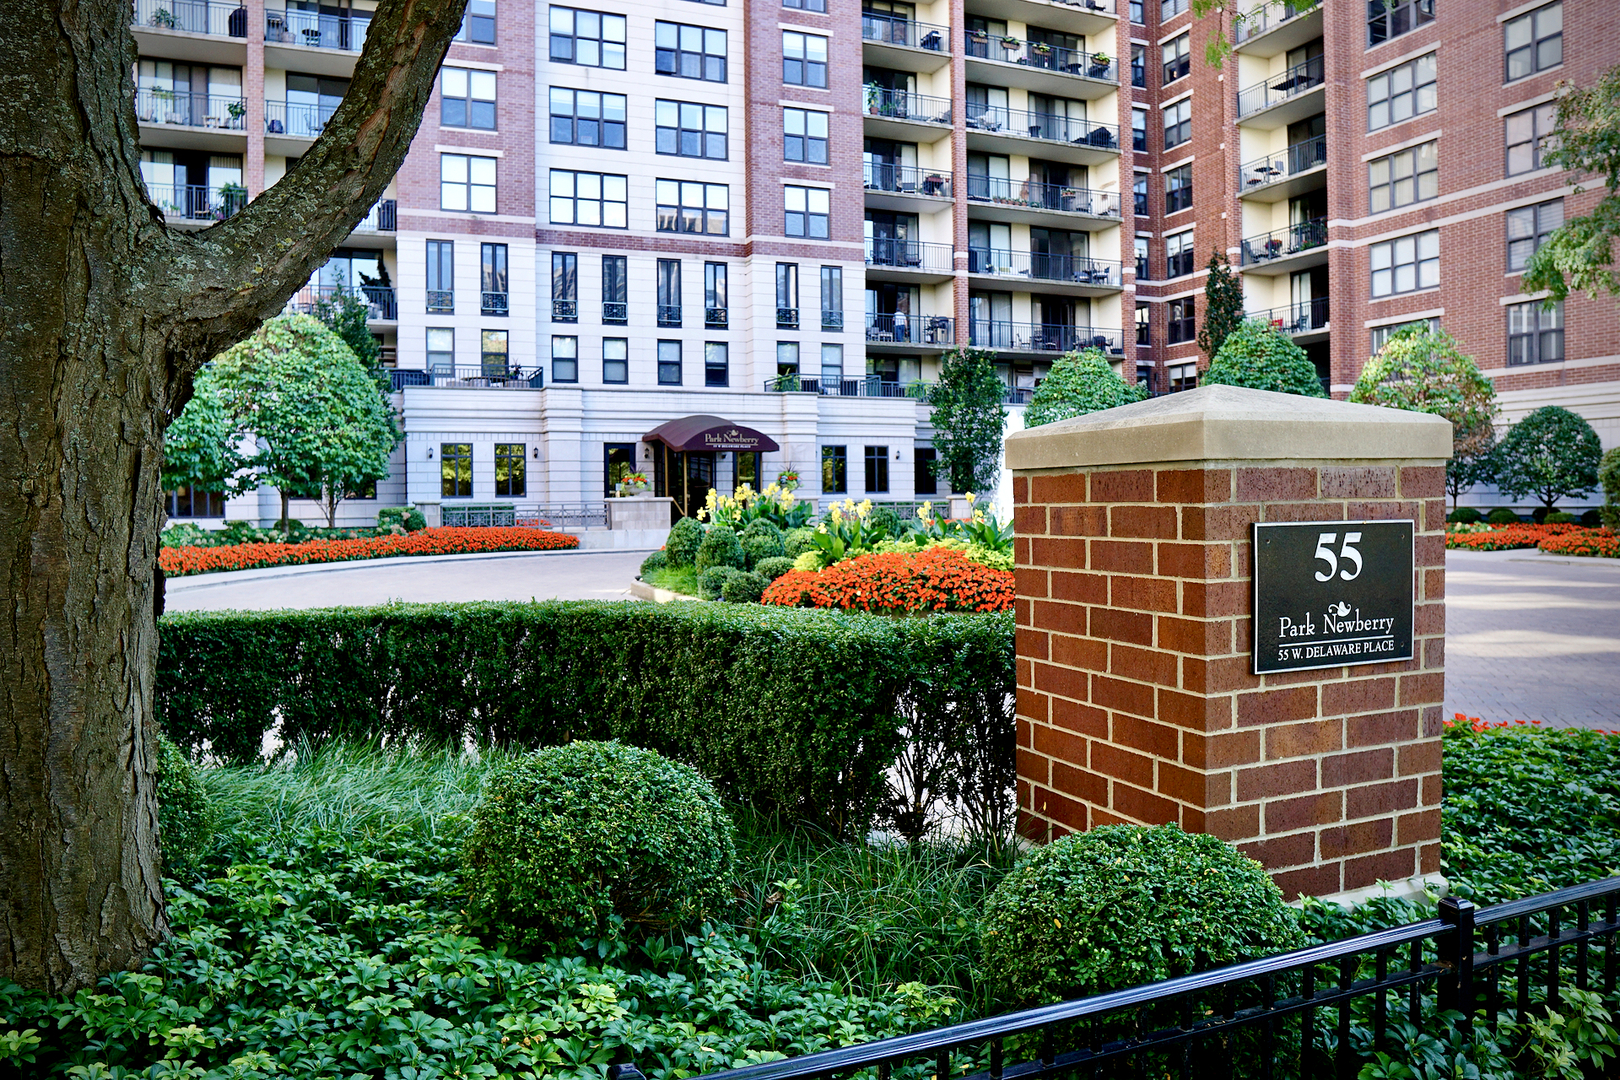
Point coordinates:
[[1136, 701]]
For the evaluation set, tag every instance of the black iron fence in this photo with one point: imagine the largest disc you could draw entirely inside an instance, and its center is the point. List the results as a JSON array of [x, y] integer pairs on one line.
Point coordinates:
[[1039, 125], [1278, 88], [1038, 54], [1300, 318], [197, 202], [225, 18], [470, 377], [1281, 243], [1045, 266], [906, 179], [316, 29], [867, 386], [1320, 1011], [894, 30], [380, 301], [1041, 337], [909, 254]]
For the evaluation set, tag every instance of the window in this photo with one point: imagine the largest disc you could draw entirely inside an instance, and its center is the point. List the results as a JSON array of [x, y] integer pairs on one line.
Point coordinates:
[[564, 359], [834, 470], [1535, 334], [1528, 228], [493, 353], [441, 349], [688, 129], [669, 292], [832, 368], [804, 59], [832, 297], [716, 364], [926, 482], [669, 363], [1401, 93], [1169, 9], [510, 479], [806, 5], [808, 211], [587, 118], [616, 360], [1144, 323], [467, 183], [1142, 258], [1139, 65], [1381, 334], [1182, 377], [478, 24], [1139, 192], [587, 38], [689, 52], [1181, 320], [1139, 129], [804, 136], [1401, 179], [1178, 254], [787, 296], [1177, 123], [1534, 41], [441, 277], [615, 290], [787, 357], [493, 278], [1527, 135], [564, 286], [467, 98], [1406, 264], [1391, 18], [1178, 189], [191, 501], [588, 198], [715, 314], [455, 470], [877, 470], [690, 207], [1177, 61]]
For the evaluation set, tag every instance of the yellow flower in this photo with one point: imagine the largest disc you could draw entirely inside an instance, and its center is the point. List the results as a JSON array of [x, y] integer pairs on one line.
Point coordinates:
[[970, 498], [925, 512], [835, 514], [865, 508]]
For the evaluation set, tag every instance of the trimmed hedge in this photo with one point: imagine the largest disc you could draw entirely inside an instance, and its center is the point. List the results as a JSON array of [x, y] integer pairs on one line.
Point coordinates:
[[792, 711]]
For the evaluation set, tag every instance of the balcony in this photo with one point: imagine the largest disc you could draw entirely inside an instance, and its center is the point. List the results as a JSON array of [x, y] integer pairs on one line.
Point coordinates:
[[615, 312], [903, 331], [315, 30], [1305, 317], [1282, 99], [493, 304], [1294, 171], [380, 301], [1070, 16], [469, 377], [669, 315], [195, 204], [1035, 65], [908, 259], [198, 121], [716, 318], [1064, 138], [1043, 337], [441, 302], [907, 117], [1270, 28], [1282, 251], [868, 386], [903, 44], [787, 318], [296, 120], [200, 31], [382, 218], [1074, 274], [903, 187], [997, 198]]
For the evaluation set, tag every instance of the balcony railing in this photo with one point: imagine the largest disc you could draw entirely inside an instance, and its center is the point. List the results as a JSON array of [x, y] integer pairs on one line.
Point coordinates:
[[1279, 88], [1300, 318], [1038, 54], [902, 329], [441, 302], [669, 315], [470, 377], [316, 30], [616, 312], [868, 386], [225, 18], [716, 318], [1042, 337], [154, 105], [907, 180], [1261, 18], [1035, 125], [195, 202], [1037, 266], [384, 217], [889, 30], [903, 105], [300, 120], [1298, 158], [1039, 196], [909, 255], [832, 320], [493, 303], [565, 311], [787, 318], [380, 301], [1281, 243]]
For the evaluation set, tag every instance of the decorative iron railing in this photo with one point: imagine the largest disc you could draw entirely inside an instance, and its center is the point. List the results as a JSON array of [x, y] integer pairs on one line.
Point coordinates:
[[1281, 243], [1047, 127], [1279, 88], [1038, 54], [1298, 158], [1039, 196]]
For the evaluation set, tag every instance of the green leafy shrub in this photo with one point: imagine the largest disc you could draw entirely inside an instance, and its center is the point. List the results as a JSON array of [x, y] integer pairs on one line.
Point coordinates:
[[653, 563], [186, 534], [1609, 477], [1501, 516], [887, 520], [712, 582], [681, 546], [570, 836], [408, 518], [744, 587], [796, 542], [720, 547], [1079, 383], [1592, 519], [761, 527], [1261, 357], [1560, 517], [185, 819], [1464, 515], [757, 546], [1123, 905], [771, 569], [1551, 454]]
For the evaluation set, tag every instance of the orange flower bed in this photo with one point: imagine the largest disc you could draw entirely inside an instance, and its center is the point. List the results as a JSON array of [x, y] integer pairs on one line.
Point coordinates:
[[179, 562], [938, 579], [1601, 543], [1506, 537]]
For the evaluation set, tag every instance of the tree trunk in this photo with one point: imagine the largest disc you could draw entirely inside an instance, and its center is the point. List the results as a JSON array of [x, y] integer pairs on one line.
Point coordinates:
[[285, 524], [105, 315]]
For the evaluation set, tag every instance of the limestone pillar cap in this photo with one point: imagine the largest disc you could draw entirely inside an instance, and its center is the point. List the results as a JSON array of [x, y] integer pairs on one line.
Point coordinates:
[[1232, 423]]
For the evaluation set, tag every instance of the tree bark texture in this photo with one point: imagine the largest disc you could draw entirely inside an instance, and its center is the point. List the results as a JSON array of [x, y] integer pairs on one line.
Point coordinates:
[[106, 313]]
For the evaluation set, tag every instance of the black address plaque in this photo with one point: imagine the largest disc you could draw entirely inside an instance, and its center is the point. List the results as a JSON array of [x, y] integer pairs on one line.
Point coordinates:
[[1331, 594]]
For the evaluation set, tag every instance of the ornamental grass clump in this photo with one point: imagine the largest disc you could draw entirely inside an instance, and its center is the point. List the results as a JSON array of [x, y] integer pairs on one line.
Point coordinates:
[[569, 840]]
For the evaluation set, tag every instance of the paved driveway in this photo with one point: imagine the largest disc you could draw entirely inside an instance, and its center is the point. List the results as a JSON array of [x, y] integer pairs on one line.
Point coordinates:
[[1533, 637]]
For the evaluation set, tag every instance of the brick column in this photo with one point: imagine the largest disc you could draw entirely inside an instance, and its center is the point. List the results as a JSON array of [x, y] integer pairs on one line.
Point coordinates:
[[1135, 697]]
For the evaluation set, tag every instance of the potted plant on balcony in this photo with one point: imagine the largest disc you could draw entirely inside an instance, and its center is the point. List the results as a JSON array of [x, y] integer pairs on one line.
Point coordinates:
[[236, 110], [1071, 198], [232, 197], [1040, 48], [1009, 42], [874, 97], [1099, 65], [163, 17]]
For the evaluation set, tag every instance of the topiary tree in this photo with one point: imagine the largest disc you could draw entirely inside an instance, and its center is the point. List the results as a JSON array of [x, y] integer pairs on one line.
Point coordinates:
[[720, 547], [681, 545], [712, 582], [771, 569], [1079, 383], [653, 563], [968, 419], [744, 587], [798, 541], [1551, 454], [1609, 477], [568, 838], [1261, 357], [1223, 305]]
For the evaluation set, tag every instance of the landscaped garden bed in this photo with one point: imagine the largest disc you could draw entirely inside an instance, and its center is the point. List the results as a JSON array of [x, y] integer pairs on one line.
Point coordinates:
[[1559, 538], [181, 561]]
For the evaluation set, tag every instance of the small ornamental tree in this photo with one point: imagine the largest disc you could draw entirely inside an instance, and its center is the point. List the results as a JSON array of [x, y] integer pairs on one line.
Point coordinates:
[[1223, 305], [1079, 383], [199, 448], [1467, 468], [1550, 454], [1261, 357], [968, 419]]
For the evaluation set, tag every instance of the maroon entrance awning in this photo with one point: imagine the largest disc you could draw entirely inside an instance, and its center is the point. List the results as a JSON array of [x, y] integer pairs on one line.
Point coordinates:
[[709, 433]]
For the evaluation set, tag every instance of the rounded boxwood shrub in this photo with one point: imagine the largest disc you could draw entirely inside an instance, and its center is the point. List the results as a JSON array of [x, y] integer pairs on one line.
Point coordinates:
[[797, 542], [1560, 517], [1261, 357], [1464, 515], [712, 582], [771, 569], [1079, 383], [1502, 516], [744, 587], [681, 546], [656, 561], [1124, 905], [759, 546], [720, 547], [185, 818], [567, 837], [762, 527]]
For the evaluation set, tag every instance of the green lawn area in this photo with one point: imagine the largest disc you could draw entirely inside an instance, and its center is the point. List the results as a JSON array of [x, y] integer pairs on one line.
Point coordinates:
[[681, 579]]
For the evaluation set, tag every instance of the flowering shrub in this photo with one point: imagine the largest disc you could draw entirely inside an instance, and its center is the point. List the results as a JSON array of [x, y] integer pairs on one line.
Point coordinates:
[[1602, 543], [1506, 537], [178, 562], [744, 505], [938, 579]]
